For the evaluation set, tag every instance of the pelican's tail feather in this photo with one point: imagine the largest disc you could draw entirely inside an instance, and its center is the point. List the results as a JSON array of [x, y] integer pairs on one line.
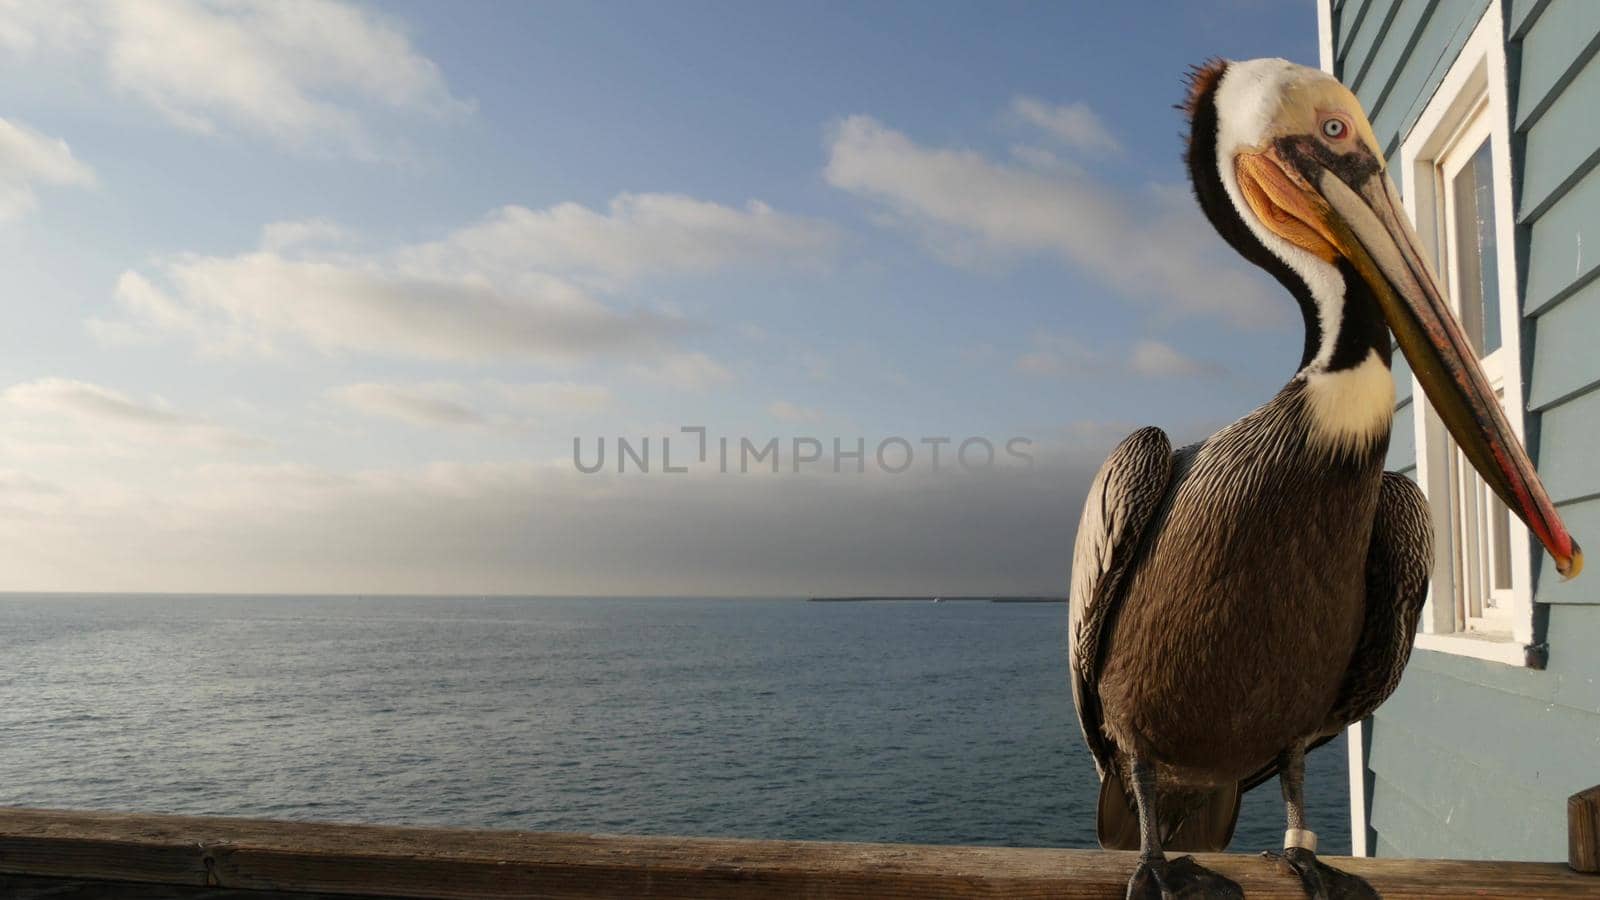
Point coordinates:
[[1116, 822], [1205, 824], [1191, 822]]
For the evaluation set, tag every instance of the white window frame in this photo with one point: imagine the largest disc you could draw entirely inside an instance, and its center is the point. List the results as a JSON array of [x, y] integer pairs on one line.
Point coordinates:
[[1477, 77], [1464, 145]]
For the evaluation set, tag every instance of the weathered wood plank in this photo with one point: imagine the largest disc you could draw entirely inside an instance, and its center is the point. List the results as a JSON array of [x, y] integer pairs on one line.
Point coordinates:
[[368, 860], [1416, 831], [1561, 145], [1583, 517], [1569, 433], [1438, 686], [1553, 52], [1557, 267], [29, 887], [1355, 55], [1402, 28], [1346, 23], [1434, 48], [1524, 15], [1565, 365], [1444, 785], [1583, 830]]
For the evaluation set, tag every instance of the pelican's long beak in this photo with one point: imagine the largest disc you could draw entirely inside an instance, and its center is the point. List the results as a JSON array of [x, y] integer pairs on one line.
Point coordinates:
[[1364, 222]]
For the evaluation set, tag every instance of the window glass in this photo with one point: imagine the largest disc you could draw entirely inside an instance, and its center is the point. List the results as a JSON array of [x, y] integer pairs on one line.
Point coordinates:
[[1500, 565], [1477, 272]]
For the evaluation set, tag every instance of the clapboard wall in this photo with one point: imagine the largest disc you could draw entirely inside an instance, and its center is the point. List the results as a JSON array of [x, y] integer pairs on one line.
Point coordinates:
[[1473, 758]]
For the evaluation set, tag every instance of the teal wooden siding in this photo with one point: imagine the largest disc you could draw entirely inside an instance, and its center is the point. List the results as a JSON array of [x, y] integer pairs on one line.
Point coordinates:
[[1556, 96], [1473, 758], [1403, 441], [1398, 55], [1477, 759]]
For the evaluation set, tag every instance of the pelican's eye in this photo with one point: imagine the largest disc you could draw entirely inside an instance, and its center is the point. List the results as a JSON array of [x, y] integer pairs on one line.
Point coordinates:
[[1335, 128]]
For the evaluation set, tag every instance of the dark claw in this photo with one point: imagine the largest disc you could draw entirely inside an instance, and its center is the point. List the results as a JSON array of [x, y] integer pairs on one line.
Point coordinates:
[[1322, 881], [1179, 879]]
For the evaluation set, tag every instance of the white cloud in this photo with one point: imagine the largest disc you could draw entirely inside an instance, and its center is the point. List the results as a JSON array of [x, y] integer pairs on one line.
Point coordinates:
[[307, 74], [1057, 354], [427, 405], [101, 413], [785, 411], [1158, 360], [553, 397], [28, 158], [1060, 354], [28, 27], [685, 371], [14, 483], [516, 286], [638, 234], [451, 405], [85, 400], [277, 237], [1074, 124], [287, 69], [252, 302], [1154, 246], [1045, 160]]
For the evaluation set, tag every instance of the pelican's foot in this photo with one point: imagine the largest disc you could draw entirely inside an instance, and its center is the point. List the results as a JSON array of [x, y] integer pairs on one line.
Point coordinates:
[[1179, 879], [1322, 881]]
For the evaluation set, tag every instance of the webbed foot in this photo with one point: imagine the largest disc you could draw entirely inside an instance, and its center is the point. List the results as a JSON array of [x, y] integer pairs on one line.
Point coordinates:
[[1322, 881], [1179, 879]]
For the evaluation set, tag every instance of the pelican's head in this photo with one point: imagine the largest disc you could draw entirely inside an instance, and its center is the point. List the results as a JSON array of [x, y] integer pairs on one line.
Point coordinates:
[[1286, 166]]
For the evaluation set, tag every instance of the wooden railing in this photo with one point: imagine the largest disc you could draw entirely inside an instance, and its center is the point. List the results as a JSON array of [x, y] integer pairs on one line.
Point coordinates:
[[58, 854]]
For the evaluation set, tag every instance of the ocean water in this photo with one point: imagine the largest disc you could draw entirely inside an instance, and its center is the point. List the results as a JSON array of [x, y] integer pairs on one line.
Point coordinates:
[[936, 723]]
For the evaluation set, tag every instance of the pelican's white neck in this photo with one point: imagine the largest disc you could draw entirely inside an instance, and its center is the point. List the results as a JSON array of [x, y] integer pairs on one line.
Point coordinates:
[[1247, 101], [1349, 410]]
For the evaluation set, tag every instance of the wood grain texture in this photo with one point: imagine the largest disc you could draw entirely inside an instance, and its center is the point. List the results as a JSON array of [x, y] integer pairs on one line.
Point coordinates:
[[211, 857], [1583, 830], [29, 887]]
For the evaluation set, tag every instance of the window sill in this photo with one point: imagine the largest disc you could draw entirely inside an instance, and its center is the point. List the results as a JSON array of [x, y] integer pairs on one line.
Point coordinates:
[[1493, 648]]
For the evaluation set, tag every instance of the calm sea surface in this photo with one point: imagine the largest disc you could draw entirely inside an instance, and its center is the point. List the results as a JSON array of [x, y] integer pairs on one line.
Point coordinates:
[[938, 723]]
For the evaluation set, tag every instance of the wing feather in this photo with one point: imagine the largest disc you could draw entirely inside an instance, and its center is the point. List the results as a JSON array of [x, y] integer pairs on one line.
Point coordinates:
[[1399, 561], [1122, 501]]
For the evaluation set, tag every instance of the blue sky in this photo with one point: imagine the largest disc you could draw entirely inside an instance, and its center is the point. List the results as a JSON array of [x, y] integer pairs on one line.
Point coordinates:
[[315, 295]]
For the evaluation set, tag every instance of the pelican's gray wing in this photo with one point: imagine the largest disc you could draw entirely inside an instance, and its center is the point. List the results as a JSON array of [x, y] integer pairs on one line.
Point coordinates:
[[1121, 503], [1399, 562]]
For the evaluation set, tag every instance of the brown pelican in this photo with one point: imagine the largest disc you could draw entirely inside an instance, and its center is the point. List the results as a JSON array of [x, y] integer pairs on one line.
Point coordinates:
[[1238, 601]]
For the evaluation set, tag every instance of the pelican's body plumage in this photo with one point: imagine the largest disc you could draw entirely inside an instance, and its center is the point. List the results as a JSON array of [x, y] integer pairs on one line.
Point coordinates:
[[1240, 600], [1250, 653]]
